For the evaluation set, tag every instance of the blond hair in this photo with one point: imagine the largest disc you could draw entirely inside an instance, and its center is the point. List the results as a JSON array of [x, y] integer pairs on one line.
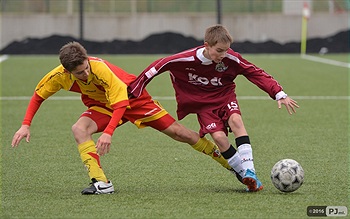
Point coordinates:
[[217, 34]]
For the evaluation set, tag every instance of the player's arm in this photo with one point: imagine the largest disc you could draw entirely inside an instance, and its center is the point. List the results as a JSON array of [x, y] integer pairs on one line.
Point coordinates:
[[274, 89], [259, 77], [116, 94], [23, 131], [268, 84], [139, 84], [48, 85], [104, 141]]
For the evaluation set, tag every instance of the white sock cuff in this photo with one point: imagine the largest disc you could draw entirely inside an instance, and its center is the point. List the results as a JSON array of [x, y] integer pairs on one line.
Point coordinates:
[[235, 157], [244, 147]]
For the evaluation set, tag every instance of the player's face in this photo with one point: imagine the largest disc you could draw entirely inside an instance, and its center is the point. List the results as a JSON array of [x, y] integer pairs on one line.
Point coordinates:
[[82, 71], [217, 52]]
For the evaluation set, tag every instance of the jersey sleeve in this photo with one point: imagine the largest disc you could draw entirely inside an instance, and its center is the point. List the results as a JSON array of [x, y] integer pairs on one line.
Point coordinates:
[[52, 82], [259, 77], [139, 84], [33, 106], [47, 86], [113, 123]]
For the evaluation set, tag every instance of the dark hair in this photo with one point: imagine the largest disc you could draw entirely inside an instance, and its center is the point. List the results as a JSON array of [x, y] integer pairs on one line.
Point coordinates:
[[72, 54]]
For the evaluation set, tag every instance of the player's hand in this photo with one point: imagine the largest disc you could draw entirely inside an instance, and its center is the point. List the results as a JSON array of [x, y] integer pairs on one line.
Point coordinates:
[[103, 144], [290, 104], [22, 132]]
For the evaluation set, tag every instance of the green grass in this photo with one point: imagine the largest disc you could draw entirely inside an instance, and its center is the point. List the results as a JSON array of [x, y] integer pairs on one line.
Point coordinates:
[[153, 6], [156, 177], [163, 6]]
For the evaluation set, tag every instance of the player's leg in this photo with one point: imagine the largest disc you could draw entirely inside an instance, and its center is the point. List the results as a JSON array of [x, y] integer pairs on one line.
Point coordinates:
[[229, 152], [211, 123], [204, 145], [91, 122], [245, 151], [161, 120]]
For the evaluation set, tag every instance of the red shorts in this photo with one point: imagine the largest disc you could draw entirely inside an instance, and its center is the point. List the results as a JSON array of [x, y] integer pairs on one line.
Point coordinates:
[[216, 120], [143, 112]]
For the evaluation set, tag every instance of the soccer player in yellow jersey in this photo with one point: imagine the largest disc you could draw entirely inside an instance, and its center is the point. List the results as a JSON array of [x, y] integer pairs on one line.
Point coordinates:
[[103, 89]]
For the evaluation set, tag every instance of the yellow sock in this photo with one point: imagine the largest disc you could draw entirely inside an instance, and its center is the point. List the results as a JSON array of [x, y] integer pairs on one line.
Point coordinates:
[[209, 148], [91, 160]]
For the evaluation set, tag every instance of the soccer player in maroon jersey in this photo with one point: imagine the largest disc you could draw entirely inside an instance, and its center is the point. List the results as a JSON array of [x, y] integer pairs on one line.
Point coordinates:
[[203, 79], [103, 89]]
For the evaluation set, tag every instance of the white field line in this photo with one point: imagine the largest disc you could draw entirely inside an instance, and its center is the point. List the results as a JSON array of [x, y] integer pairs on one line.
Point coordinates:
[[326, 61], [3, 58], [14, 98], [308, 57]]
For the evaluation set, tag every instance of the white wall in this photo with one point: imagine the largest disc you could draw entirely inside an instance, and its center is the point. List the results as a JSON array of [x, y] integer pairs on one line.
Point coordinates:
[[105, 27]]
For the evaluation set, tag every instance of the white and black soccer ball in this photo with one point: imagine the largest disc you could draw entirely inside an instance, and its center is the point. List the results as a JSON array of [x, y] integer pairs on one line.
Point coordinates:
[[287, 175]]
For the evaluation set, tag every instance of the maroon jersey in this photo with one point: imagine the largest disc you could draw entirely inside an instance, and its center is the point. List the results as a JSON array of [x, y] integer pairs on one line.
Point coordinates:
[[202, 85]]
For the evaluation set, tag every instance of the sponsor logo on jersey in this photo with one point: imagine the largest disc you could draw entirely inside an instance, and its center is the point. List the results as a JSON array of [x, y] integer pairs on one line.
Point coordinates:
[[220, 67], [190, 69], [196, 80]]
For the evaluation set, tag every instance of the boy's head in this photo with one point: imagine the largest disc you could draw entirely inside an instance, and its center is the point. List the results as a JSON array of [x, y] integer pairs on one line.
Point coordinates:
[[217, 34], [72, 55], [217, 41]]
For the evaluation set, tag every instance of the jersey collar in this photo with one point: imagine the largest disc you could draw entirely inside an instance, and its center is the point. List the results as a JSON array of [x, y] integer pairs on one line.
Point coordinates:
[[201, 57]]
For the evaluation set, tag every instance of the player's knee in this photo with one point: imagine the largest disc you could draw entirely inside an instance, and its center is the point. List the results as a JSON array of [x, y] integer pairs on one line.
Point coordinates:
[[235, 121], [77, 131], [218, 136], [180, 133]]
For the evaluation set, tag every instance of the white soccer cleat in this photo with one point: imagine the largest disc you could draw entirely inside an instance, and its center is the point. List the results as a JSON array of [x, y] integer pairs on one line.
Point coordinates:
[[98, 187]]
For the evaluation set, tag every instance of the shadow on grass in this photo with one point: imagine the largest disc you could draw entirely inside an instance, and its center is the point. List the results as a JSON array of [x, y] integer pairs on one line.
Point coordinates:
[[264, 191]]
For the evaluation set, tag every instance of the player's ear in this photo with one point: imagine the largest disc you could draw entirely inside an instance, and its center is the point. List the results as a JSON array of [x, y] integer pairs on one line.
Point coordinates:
[[206, 45]]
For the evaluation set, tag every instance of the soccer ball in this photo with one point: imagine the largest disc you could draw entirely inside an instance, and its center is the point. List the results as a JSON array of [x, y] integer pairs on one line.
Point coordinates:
[[287, 175]]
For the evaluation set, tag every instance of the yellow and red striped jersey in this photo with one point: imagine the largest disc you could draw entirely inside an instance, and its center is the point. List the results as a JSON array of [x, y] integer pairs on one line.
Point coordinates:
[[106, 85], [105, 90]]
